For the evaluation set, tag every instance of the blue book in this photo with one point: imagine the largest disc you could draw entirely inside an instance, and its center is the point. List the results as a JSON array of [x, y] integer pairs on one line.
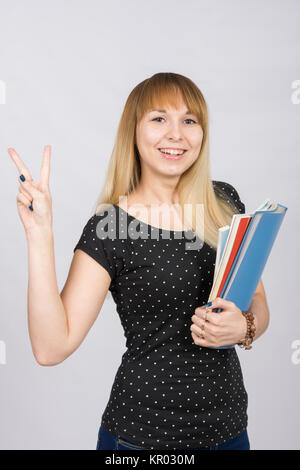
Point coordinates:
[[251, 257]]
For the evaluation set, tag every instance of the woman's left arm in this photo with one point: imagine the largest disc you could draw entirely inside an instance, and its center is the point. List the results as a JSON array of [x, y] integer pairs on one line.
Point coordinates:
[[260, 310]]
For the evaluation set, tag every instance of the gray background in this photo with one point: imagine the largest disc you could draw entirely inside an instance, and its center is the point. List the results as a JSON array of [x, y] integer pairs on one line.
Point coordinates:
[[69, 67]]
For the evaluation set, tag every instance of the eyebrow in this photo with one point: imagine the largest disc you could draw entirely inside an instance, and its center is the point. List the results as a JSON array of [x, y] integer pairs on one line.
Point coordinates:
[[164, 111]]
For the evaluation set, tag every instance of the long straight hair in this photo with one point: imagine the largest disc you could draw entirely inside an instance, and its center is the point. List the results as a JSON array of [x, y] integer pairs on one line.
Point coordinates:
[[195, 186]]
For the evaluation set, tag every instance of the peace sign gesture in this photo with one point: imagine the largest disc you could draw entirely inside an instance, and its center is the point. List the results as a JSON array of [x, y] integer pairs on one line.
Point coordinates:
[[34, 200]]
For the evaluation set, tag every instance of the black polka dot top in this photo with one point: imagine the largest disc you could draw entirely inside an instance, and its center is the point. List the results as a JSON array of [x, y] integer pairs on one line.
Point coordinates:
[[168, 393]]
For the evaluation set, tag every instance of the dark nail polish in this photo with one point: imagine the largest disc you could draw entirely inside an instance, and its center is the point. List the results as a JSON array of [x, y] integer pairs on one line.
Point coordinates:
[[30, 207], [208, 304], [22, 177]]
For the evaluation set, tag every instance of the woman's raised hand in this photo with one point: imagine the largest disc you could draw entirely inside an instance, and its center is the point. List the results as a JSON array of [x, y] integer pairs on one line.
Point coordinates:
[[34, 200]]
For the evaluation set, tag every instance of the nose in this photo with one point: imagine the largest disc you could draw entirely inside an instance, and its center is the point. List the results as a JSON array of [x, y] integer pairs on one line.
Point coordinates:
[[174, 132]]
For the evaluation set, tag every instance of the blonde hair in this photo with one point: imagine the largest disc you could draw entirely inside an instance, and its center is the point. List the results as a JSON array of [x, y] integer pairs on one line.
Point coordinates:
[[195, 185]]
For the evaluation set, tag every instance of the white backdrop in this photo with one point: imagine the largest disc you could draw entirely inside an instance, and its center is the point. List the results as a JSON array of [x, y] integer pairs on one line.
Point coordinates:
[[66, 69]]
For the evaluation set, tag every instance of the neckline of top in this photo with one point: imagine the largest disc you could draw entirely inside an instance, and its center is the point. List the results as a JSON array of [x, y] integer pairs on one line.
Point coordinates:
[[147, 225]]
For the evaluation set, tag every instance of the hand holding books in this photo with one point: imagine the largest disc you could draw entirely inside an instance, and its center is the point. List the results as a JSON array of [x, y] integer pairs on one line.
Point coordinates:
[[215, 330], [242, 252]]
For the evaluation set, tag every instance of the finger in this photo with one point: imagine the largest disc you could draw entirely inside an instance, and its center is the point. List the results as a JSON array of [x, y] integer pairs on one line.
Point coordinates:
[[205, 329], [198, 321], [23, 191], [214, 318], [31, 189], [199, 331], [20, 164], [45, 168], [195, 335], [202, 312], [210, 317], [23, 200], [196, 329], [221, 303], [200, 341]]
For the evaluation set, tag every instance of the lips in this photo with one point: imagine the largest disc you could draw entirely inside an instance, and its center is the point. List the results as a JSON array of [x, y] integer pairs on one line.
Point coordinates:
[[168, 156]]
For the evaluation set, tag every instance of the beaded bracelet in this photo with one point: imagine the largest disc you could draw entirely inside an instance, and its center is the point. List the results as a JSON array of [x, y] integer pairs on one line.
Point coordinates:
[[250, 333]]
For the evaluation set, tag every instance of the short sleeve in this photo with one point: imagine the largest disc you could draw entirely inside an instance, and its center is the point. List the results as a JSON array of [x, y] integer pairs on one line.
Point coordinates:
[[95, 242], [228, 193]]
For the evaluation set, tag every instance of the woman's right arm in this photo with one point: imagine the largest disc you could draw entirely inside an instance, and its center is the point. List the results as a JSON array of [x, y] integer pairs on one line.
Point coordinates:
[[58, 323]]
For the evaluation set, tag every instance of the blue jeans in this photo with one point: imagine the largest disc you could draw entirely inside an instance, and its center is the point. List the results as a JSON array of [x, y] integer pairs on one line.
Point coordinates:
[[109, 441]]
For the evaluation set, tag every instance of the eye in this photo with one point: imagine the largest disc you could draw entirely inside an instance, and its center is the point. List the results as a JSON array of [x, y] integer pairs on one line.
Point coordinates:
[[163, 118]]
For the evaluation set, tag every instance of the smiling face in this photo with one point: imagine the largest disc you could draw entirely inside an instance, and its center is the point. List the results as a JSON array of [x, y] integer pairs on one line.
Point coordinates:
[[168, 128]]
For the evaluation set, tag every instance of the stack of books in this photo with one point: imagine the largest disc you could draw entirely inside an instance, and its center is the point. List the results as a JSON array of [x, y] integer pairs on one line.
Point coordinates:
[[242, 252]]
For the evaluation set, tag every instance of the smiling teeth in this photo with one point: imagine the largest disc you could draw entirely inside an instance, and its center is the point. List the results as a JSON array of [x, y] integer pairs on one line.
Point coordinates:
[[172, 152]]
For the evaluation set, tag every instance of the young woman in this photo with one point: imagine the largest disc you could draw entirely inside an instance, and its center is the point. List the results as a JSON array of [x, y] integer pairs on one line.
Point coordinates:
[[176, 387]]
